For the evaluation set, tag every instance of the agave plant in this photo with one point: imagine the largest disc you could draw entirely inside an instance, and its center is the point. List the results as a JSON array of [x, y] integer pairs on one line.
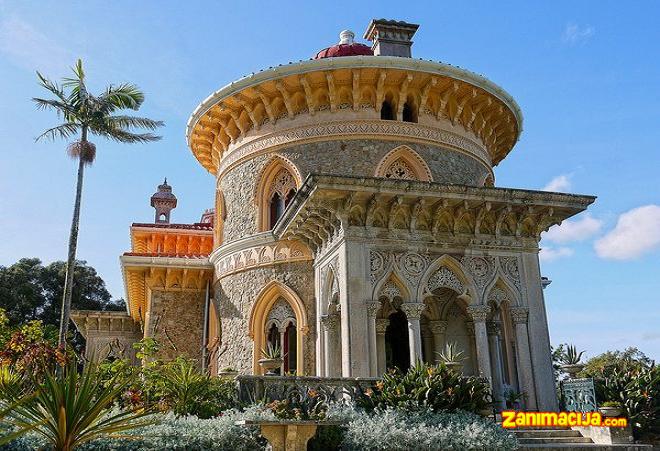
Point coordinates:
[[451, 353], [571, 356], [69, 409], [272, 351]]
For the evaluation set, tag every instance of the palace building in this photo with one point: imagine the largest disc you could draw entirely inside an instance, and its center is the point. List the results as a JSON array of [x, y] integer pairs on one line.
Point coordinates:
[[357, 224]]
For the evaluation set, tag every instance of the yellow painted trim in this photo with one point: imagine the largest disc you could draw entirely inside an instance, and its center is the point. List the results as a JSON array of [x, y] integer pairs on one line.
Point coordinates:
[[259, 312]]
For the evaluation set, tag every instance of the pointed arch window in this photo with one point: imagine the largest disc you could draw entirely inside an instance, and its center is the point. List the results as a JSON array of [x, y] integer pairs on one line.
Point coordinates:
[[405, 164], [282, 191]]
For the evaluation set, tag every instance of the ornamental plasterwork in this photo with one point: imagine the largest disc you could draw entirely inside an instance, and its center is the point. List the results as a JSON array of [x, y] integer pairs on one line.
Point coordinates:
[[275, 253], [272, 141], [282, 184], [497, 295], [444, 278], [482, 269], [390, 291], [281, 314], [479, 313], [399, 169], [510, 268]]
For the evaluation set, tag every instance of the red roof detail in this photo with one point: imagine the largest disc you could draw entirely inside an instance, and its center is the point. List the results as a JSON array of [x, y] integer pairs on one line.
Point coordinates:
[[164, 254], [195, 226], [344, 50]]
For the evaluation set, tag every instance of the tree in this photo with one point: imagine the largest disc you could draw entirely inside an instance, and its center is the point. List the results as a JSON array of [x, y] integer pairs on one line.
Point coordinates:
[[30, 291], [86, 114]]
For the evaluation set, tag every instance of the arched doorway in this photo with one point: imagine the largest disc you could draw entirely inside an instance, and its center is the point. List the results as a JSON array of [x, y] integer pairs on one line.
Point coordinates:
[[281, 333], [397, 348]]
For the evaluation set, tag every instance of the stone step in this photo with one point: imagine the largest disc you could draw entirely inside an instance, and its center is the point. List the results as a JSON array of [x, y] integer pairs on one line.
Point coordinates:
[[584, 447], [554, 440], [541, 433]]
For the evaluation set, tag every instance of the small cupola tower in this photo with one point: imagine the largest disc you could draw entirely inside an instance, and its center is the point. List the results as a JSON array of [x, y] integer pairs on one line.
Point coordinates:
[[164, 202]]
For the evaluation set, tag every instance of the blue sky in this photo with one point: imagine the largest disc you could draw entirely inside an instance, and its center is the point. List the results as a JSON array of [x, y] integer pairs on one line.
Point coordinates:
[[586, 75]]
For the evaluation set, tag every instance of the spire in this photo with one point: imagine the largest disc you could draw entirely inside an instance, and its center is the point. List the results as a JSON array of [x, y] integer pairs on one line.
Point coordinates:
[[164, 201]]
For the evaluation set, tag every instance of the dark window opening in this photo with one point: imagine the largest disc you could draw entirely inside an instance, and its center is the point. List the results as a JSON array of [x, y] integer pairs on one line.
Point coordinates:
[[409, 113], [276, 210], [387, 112]]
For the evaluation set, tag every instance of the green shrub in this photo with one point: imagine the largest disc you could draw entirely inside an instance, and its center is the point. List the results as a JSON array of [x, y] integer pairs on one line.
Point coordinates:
[[170, 432], [391, 429], [423, 386]]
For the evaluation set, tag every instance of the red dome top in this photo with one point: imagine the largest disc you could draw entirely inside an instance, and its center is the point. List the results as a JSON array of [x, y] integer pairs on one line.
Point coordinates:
[[346, 47]]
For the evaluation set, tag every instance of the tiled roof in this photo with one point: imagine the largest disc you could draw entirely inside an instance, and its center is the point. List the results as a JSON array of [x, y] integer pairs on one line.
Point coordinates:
[[195, 226], [164, 254]]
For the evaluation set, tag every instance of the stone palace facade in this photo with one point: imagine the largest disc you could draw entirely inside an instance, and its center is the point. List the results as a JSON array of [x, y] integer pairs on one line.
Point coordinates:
[[356, 224]]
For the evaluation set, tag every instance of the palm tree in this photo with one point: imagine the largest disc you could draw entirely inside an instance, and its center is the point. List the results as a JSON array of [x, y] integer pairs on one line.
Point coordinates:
[[85, 114]]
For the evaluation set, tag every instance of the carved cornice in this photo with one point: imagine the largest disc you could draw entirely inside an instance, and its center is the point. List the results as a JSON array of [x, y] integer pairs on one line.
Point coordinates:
[[352, 129], [445, 93], [429, 211]]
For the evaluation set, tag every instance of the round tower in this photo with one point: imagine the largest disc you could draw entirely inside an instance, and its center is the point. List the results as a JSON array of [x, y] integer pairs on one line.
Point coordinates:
[[357, 226], [164, 201]]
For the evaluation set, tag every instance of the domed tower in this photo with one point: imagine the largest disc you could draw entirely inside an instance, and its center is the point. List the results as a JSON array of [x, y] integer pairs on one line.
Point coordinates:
[[164, 201], [356, 222]]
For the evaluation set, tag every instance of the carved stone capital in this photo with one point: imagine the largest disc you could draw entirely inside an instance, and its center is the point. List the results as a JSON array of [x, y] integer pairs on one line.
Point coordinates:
[[381, 325], [479, 313], [413, 310], [438, 326], [330, 322], [372, 308], [519, 314]]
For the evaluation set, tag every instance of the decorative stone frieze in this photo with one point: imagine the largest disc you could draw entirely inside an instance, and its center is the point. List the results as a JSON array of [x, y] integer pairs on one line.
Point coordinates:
[[482, 269], [261, 255], [348, 128]]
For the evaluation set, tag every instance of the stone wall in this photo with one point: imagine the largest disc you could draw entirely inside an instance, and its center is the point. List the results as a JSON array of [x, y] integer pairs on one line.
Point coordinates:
[[342, 157], [176, 321], [235, 295]]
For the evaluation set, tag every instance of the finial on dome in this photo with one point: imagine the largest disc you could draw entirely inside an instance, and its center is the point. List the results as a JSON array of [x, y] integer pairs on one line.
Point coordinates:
[[346, 37]]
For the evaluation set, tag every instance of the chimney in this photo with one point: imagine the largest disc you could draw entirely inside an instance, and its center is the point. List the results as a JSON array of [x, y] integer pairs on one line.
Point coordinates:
[[391, 37]]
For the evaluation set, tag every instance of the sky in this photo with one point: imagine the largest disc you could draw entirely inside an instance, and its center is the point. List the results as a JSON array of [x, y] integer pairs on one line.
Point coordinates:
[[586, 75]]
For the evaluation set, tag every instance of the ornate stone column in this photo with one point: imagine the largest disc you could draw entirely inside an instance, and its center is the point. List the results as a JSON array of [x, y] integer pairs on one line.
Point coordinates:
[[372, 310], [381, 328], [438, 328], [479, 313], [493, 330], [330, 325], [413, 311], [525, 372]]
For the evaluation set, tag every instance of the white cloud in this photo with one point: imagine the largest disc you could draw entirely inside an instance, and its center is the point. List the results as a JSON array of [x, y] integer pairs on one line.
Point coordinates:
[[560, 184], [574, 230], [637, 232], [549, 254], [31, 49], [575, 34]]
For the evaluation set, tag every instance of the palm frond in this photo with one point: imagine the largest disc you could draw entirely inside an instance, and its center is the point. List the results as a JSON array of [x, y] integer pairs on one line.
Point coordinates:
[[52, 87], [127, 137], [61, 108], [125, 95], [65, 131], [125, 122]]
